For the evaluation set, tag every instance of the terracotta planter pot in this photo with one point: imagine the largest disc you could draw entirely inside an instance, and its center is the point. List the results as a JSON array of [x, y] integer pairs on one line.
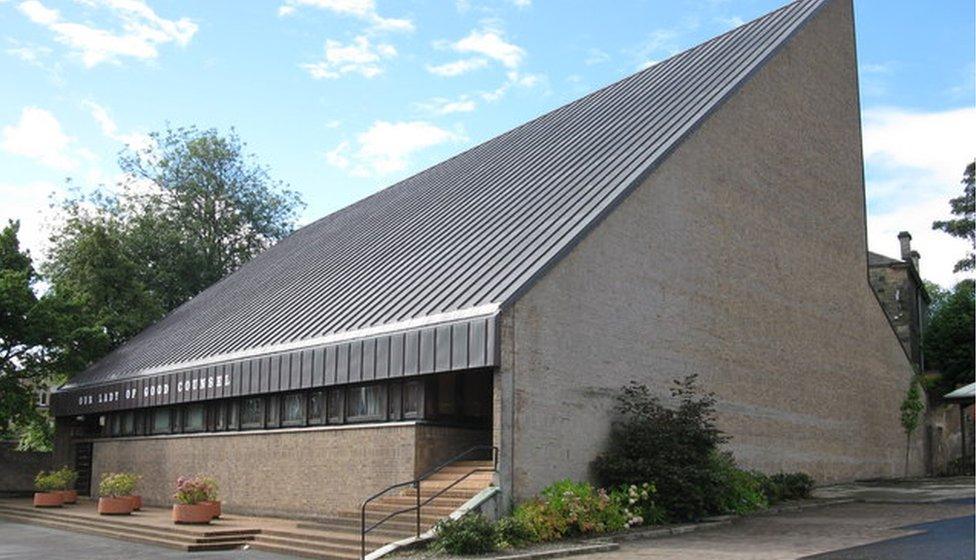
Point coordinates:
[[114, 506], [48, 499], [136, 502], [196, 514], [70, 496], [214, 507]]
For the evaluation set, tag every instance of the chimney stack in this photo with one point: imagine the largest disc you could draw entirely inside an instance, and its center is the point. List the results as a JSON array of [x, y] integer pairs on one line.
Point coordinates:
[[905, 239], [915, 257]]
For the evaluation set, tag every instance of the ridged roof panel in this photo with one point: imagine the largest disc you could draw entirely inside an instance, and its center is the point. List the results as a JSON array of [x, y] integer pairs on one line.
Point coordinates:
[[470, 232]]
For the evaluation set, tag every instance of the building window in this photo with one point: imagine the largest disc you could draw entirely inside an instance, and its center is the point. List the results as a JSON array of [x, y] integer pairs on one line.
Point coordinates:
[[413, 399], [162, 421], [365, 402], [128, 423], [273, 410], [252, 413], [316, 407], [220, 411], [195, 418], [393, 400], [335, 407], [293, 410], [447, 395], [232, 423]]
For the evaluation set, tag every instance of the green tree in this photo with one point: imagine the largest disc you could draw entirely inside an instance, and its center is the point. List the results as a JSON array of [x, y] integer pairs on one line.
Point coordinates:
[[963, 226], [192, 208], [911, 410], [42, 338], [949, 338]]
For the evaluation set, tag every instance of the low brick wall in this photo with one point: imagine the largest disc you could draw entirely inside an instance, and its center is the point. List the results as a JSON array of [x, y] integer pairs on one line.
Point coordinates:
[[17, 468], [301, 472]]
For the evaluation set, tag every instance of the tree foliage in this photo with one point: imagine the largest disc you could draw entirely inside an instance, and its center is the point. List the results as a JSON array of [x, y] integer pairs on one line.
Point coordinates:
[[193, 207], [964, 207], [42, 338], [949, 337]]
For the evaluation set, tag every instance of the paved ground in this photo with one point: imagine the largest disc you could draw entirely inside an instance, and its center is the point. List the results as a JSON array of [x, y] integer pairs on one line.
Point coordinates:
[[902, 521], [33, 542]]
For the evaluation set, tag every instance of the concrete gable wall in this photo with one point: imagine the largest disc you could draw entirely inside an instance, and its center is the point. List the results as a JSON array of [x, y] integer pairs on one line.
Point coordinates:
[[742, 258]]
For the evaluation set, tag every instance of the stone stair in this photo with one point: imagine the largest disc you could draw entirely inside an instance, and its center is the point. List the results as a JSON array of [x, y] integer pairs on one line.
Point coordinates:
[[172, 536], [336, 537]]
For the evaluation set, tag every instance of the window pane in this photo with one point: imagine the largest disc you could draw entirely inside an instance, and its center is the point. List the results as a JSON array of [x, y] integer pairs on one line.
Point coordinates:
[[252, 413], [221, 412], [413, 393], [336, 397], [232, 415], [394, 401], [316, 407], [161, 421], [293, 409], [194, 418], [365, 402], [128, 423], [273, 412]]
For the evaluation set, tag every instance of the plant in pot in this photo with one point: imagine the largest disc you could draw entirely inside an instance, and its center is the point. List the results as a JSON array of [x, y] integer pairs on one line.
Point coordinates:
[[134, 499], [212, 498], [66, 484], [114, 492], [48, 493], [189, 507]]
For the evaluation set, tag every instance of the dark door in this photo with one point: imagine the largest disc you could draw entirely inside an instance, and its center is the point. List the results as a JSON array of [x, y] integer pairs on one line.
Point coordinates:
[[83, 466]]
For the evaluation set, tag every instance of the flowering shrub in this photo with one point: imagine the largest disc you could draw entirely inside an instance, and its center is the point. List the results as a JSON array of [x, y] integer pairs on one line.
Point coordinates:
[[212, 487], [567, 509], [193, 490], [637, 504], [469, 534], [114, 485]]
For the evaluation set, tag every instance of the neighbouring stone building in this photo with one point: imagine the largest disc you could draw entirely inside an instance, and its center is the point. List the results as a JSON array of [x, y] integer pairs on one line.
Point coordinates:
[[902, 294], [705, 215]]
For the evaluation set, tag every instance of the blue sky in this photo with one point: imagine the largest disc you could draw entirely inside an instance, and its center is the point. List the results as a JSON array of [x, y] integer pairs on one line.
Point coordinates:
[[343, 97]]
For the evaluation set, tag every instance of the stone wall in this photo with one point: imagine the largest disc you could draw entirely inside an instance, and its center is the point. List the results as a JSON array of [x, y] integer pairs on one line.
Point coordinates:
[[301, 472], [436, 444], [18, 468], [742, 258]]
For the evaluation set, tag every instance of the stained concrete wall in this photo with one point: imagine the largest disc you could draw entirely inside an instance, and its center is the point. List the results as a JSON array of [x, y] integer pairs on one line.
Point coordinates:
[[301, 472], [742, 258]]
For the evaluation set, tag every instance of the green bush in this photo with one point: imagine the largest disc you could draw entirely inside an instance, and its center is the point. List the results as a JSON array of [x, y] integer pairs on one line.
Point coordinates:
[[66, 477], [114, 485], [46, 482], [670, 448], [735, 490], [787, 486], [511, 532], [469, 534], [540, 521], [569, 509]]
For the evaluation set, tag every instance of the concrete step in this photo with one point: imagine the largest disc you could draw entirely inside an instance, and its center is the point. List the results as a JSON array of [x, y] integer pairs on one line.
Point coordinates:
[[393, 528], [336, 548], [305, 552], [441, 501], [130, 536], [113, 523], [344, 538]]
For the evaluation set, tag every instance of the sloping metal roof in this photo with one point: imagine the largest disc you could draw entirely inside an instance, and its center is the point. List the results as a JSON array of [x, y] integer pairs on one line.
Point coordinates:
[[965, 392], [457, 242]]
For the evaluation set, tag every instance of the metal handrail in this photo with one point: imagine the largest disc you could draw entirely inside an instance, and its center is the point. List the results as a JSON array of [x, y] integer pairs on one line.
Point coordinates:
[[364, 530]]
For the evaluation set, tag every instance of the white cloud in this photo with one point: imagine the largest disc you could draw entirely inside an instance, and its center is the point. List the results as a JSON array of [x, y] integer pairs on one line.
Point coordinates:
[[135, 140], [386, 147], [914, 162], [444, 106], [359, 57], [595, 56], [522, 3], [29, 203], [38, 135], [142, 31], [457, 67], [361, 9], [491, 43]]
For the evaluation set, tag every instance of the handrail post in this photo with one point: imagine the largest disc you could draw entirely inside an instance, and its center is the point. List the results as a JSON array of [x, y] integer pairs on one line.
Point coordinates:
[[362, 535], [418, 508]]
